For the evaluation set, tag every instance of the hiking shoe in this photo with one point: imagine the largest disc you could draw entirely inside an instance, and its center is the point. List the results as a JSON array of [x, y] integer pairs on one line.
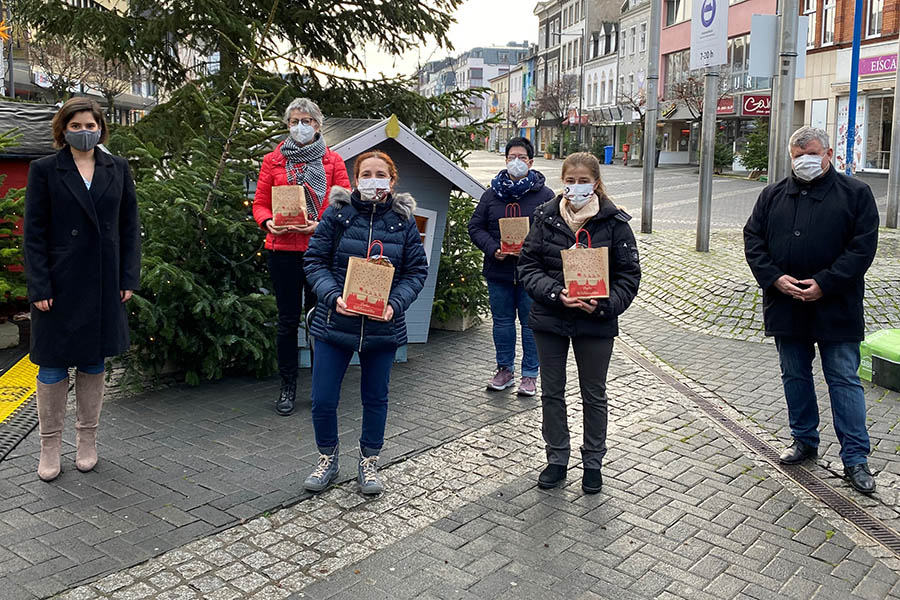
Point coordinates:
[[502, 379], [369, 479], [551, 476], [284, 406], [325, 473], [527, 386]]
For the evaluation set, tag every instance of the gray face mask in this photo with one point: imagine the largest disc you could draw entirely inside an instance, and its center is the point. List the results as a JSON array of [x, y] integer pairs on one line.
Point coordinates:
[[83, 140]]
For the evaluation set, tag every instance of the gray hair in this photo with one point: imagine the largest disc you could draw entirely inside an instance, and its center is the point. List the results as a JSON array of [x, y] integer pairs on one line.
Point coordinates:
[[803, 136], [304, 105]]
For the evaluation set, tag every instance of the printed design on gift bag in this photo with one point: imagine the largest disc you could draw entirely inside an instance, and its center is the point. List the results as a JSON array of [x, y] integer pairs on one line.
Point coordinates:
[[513, 229], [289, 205], [586, 269], [368, 283]]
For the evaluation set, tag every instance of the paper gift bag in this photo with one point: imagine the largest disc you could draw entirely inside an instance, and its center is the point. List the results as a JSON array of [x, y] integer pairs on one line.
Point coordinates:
[[368, 283], [289, 205], [513, 230], [586, 270]]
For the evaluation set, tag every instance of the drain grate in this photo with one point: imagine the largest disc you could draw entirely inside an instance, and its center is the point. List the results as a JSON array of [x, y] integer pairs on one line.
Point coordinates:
[[17, 425], [843, 506]]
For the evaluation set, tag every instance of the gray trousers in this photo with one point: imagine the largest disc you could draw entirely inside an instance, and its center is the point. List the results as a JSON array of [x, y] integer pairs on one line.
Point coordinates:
[[592, 356]]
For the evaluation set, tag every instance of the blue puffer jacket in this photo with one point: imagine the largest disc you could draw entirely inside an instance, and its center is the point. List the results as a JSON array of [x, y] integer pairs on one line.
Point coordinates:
[[357, 223]]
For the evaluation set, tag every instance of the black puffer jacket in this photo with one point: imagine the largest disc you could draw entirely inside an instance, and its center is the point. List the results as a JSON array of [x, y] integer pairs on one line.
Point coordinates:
[[540, 271]]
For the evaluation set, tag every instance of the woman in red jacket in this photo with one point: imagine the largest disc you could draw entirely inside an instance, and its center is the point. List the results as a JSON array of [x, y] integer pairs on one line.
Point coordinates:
[[301, 159]]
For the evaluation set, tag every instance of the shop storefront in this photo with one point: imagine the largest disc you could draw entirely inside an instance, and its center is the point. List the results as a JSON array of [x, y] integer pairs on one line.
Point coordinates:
[[874, 112]]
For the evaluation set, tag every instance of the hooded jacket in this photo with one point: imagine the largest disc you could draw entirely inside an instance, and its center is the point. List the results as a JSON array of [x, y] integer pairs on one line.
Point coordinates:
[[541, 271], [346, 229]]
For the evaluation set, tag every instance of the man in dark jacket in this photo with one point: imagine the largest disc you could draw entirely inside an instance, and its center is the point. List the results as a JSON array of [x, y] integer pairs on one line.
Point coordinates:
[[521, 185], [809, 242]]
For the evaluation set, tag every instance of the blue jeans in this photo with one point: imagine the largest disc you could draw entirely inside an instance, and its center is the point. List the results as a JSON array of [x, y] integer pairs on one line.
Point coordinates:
[[51, 375], [840, 361], [507, 300], [329, 366]]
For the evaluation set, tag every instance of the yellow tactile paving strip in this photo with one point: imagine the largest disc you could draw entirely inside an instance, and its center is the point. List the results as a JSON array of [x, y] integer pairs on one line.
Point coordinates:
[[17, 385]]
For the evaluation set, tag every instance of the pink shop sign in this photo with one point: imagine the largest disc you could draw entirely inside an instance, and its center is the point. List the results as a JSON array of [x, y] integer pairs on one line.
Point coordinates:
[[878, 64]]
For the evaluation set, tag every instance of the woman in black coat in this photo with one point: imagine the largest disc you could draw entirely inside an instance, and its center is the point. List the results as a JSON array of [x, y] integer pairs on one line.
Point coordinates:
[[589, 325], [82, 262]]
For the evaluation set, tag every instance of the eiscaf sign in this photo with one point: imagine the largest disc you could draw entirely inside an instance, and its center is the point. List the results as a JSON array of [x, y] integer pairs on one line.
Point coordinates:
[[709, 33], [877, 65]]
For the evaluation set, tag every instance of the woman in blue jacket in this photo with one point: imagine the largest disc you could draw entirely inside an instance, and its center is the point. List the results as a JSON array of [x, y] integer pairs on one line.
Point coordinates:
[[347, 228], [518, 184]]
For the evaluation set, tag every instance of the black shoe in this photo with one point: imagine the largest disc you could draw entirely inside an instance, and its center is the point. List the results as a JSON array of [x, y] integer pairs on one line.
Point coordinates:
[[592, 481], [551, 476], [860, 478], [285, 404], [797, 453]]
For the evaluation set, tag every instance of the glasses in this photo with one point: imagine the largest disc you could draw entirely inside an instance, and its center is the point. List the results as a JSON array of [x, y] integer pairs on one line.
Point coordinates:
[[295, 122], [521, 157]]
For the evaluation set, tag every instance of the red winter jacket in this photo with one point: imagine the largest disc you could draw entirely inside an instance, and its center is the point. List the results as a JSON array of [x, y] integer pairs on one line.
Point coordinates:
[[273, 173]]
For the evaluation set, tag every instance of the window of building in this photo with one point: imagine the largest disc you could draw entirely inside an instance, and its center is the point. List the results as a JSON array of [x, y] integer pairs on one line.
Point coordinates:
[[677, 11], [621, 84], [577, 52], [633, 36], [643, 37], [622, 45], [828, 10], [504, 58], [875, 16], [631, 89], [603, 88], [809, 9], [577, 11]]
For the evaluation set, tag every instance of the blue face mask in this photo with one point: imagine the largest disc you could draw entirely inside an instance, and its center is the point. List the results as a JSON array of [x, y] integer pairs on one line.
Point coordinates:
[[83, 140]]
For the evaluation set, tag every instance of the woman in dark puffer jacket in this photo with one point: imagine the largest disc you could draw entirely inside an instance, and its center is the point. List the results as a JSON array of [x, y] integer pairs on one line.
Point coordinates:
[[348, 227], [590, 325]]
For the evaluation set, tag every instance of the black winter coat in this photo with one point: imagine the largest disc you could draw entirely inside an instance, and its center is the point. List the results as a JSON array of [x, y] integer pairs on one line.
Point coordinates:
[[826, 230], [81, 249], [484, 227], [358, 223], [540, 271]]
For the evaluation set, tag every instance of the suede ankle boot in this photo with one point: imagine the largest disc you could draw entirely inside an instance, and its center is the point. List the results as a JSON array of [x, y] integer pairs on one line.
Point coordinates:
[[51, 404], [89, 401]]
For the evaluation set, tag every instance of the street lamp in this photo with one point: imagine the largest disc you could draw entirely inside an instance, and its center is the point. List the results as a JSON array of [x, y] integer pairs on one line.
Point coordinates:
[[580, 78]]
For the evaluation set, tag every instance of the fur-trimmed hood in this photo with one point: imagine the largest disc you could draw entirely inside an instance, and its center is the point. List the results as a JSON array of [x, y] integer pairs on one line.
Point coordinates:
[[403, 204]]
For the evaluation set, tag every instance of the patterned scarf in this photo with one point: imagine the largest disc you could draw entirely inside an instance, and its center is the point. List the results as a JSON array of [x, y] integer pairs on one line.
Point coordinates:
[[304, 167], [507, 189], [576, 219]]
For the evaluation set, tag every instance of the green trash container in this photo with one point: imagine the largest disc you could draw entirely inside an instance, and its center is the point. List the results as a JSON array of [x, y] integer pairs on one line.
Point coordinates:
[[884, 346]]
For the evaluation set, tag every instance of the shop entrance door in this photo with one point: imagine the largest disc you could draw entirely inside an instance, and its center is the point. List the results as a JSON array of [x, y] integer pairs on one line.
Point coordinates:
[[878, 134]]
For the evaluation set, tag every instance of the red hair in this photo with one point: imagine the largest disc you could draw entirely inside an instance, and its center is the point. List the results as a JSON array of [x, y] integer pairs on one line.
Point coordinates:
[[392, 168]]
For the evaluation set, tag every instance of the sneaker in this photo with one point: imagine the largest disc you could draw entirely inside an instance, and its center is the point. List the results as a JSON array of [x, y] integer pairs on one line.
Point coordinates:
[[502, 379], [551, 476], [527, 386], [284, 406], [369, 479], [325, 473]]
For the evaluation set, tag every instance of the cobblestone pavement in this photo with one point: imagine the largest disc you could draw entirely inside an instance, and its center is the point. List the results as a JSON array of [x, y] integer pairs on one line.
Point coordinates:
[[715, 293], [183, 463], [684, 513], [676, 190]]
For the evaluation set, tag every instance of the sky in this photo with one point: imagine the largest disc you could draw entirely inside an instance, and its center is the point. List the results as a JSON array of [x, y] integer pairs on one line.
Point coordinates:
[[478, 23]]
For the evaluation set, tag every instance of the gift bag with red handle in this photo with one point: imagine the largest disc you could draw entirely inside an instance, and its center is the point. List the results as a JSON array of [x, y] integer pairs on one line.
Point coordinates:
[[513, 229], [367, 286], [289, 205], [586, 269]]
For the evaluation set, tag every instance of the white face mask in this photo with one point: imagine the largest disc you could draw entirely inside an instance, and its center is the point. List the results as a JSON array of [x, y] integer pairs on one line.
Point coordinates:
[[373, 189], [808, 166], [517, 168], [303, 134], [579, 194]]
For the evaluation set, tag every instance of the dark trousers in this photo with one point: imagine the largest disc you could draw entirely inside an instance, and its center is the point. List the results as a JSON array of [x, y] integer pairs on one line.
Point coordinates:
[[592, 356], [289, 283], [329, 368], [840, 361]]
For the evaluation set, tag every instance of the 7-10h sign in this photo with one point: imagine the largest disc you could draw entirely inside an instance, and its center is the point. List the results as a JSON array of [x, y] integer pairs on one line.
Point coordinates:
[[709, 33]]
